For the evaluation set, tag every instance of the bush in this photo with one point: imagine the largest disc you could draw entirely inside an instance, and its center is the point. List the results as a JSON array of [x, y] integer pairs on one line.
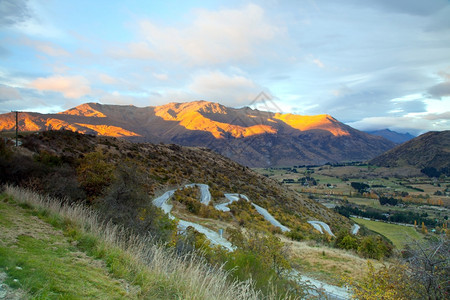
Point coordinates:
[[95, 173], [126, 203], [346, 241], [387, 283], [374, 247]]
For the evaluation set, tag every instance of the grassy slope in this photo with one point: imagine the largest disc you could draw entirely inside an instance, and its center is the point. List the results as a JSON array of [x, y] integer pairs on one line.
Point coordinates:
[[79, 258], [328, 264], [399, 235], [41, 260]]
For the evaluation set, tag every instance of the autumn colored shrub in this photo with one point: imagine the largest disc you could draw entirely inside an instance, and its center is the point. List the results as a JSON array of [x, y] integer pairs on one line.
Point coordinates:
[[389, 282], [95, 173]]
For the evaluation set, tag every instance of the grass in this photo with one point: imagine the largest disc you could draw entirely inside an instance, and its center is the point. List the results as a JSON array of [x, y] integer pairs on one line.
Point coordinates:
[[328, 264], [41, 260], [113, 260], [399, 235]]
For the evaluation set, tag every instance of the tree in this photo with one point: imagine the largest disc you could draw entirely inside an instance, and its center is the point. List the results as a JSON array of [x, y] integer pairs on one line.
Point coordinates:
[[360, 187], [424, 228], [429, 265]]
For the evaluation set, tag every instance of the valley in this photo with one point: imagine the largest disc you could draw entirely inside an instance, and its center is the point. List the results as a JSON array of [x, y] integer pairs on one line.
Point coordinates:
[[418, 198]]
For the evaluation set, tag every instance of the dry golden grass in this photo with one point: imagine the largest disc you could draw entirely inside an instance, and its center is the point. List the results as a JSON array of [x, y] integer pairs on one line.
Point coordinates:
[[159, 272], [327, 264]]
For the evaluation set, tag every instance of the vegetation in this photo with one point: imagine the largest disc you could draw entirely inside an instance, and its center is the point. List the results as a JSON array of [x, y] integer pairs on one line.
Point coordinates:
[[388, 201], [394, 216], [360, 187], [121, 198], [151, 270], [69, 165], [423, 274], [371, 246], [42, 261], [389, 282], [433, 172], [189, 197], [110, 183], [399, 235]]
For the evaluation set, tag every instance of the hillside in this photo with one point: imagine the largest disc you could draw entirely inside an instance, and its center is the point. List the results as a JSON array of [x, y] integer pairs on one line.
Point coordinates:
[[156, 168], [429, 150], [126, 183], [54, 250], [251, 137]]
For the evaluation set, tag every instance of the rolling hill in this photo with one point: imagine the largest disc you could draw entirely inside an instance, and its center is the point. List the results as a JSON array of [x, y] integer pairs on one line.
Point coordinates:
[[249, 136]]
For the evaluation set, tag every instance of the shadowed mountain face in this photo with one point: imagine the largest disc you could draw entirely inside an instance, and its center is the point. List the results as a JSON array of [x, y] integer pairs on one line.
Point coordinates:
[[431, 149], [250, 137]]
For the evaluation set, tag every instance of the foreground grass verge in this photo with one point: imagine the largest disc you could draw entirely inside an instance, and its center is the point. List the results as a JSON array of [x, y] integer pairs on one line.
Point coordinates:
[[131, 266], [39, 259], [399, 235]]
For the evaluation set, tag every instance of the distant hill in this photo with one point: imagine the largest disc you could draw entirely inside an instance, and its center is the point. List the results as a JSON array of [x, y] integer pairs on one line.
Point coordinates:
[[429, 150], [393, 136], [249, 136]]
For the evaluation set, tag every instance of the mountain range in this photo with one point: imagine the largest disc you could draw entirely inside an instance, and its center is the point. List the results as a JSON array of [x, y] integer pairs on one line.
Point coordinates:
[[393, 136], [251, 137]]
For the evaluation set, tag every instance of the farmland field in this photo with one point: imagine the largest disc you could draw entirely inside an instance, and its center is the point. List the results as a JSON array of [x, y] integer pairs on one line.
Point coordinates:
[[399, 235]]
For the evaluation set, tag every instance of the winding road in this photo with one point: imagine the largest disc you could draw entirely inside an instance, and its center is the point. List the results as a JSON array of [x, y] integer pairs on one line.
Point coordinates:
[[331, 291], [319, 225]]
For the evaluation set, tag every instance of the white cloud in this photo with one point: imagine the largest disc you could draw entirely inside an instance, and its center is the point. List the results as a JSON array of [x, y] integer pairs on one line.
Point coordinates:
[[9, 93], [440, 90], [161, 76], [213, 37], [342, 91], [70, 86], [105, 78], [228, 89], [318, 63], [46, 48], [417, 123]]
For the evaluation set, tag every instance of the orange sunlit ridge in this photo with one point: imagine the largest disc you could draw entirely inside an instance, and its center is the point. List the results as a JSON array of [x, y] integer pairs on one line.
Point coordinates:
[[197, 115]]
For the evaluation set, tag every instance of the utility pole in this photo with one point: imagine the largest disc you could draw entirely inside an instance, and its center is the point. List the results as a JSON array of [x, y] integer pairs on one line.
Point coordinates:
[[17, 127]]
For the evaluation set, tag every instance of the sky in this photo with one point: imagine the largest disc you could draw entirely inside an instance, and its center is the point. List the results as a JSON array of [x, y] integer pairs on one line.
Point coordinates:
[[371, 64]]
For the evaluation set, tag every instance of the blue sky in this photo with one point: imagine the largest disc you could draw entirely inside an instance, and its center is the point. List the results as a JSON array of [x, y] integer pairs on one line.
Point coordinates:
[[371, 64]]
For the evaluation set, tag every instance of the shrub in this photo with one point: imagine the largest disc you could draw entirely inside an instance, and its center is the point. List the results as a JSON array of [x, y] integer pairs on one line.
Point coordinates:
[[346, 241], [390, 283], [374, 247], [126, 203], [94, 173]]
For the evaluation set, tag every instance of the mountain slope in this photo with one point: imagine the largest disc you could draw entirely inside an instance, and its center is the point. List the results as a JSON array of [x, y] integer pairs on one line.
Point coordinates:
[[250, 137], [431, 149], [158, 168]]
